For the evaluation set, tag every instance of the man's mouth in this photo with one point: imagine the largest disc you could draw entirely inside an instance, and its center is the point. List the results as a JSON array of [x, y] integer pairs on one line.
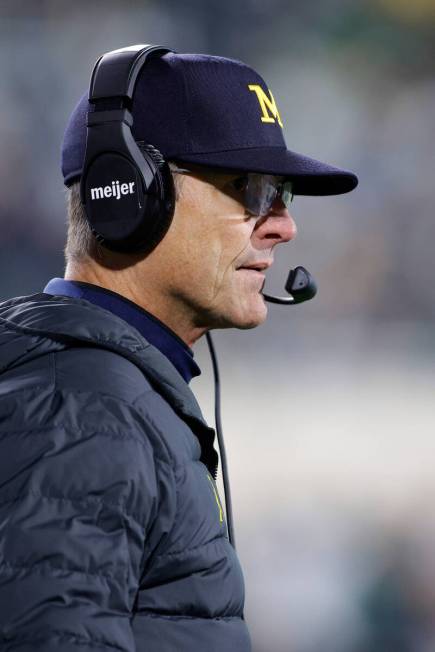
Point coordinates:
[[257, 267], [252, 272]]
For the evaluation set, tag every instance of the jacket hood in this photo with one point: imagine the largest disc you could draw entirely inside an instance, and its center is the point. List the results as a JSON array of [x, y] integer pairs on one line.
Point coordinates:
[[41, 323]]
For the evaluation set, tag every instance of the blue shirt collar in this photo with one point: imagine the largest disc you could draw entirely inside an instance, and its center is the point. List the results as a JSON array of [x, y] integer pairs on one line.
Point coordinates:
[[152, 329]]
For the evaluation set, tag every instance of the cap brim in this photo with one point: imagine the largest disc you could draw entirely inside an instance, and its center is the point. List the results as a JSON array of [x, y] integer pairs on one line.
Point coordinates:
[[310, 177]]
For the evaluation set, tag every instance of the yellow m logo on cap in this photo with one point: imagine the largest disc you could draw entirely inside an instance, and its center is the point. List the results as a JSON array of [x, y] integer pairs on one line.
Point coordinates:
[[267, 104]]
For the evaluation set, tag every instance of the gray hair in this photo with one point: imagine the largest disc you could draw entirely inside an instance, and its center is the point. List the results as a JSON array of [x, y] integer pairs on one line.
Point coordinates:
[[81, 245]]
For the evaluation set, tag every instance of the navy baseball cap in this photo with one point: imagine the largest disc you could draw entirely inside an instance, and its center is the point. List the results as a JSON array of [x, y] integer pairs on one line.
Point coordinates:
[[211, 111]]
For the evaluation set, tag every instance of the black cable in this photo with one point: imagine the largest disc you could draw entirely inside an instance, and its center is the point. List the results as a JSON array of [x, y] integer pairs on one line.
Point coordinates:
[[217, 415]]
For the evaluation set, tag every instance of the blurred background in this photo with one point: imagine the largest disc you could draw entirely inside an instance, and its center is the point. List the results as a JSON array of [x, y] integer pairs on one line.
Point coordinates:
[[328, 406]]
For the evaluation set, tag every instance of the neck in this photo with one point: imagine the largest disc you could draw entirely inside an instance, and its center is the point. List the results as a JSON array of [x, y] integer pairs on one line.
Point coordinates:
[[147, 295]]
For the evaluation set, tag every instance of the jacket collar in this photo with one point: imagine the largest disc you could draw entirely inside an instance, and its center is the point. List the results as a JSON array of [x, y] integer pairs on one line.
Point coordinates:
[[151, 328], [56, 321]]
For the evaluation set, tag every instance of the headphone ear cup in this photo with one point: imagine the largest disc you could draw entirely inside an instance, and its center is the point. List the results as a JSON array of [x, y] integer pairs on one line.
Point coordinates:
[[129, 199], [160, 200]]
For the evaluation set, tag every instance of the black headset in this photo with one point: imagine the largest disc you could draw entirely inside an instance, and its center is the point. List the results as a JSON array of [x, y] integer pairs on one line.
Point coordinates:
[[126, 187]]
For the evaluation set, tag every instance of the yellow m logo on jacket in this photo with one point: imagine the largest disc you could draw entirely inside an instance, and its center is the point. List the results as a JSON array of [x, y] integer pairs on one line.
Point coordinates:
[[267, 105], [218, 502]]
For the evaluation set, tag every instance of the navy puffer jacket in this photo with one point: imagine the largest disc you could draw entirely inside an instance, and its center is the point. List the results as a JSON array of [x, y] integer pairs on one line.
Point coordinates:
[[112, 533]]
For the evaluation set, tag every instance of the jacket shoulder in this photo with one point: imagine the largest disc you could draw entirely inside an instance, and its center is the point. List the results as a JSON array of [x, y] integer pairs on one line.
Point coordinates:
[[94, 369], [85, 368]]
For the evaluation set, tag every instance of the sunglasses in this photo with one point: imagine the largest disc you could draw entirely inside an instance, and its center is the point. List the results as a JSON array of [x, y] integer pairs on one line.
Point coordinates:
[[256, 192]]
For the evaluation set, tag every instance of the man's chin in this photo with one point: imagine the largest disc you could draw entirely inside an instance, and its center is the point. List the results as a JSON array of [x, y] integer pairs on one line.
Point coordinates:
[[251, 318], [249, 315]]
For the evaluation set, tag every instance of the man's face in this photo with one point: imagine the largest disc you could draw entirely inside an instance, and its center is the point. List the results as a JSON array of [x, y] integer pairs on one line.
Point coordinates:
[[211, 241]]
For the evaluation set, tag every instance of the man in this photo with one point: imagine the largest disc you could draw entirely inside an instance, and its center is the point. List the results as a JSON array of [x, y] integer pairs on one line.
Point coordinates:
[[112, 532]]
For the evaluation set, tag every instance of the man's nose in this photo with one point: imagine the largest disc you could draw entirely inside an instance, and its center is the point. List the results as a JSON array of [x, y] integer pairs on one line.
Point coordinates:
[[277, 225]]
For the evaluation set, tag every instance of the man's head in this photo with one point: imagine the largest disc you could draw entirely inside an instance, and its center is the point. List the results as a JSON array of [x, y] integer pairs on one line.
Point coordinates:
[[218, 121]]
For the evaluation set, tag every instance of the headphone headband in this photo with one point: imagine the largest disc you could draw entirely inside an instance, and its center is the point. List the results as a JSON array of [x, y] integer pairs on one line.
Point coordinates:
[[115, 73]]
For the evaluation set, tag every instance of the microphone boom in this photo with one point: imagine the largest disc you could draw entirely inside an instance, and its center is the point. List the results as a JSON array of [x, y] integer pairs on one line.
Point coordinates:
[[300, 285]]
